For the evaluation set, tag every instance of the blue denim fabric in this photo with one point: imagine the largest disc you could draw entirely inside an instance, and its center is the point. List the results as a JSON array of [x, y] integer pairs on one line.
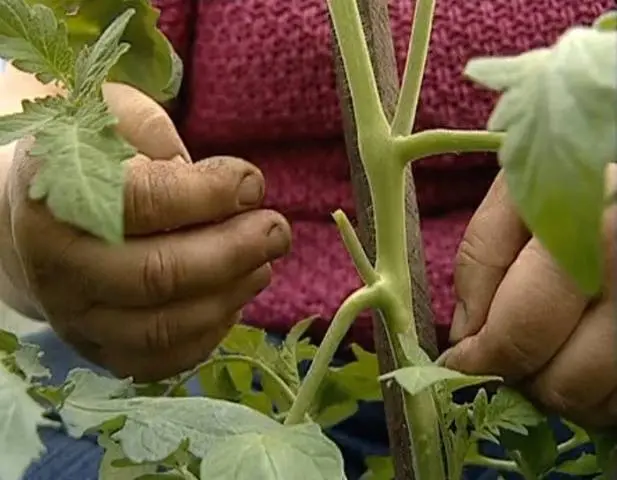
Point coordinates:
[[69, 459]]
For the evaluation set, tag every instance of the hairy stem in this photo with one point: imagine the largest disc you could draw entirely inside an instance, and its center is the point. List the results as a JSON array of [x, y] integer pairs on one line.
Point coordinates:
[[355, 304], [354, 247], [405, 114], [437, 142]]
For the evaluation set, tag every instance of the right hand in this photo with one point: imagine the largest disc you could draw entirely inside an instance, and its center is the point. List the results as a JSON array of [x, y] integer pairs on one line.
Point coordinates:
[[198, 248]]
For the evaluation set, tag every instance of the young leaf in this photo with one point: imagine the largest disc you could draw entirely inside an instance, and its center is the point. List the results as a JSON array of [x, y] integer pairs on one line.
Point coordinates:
[[94, 63], [507, 410], [585, 465], [379, 468], [20, 417], [34, 117], [82, 171], [537, 448], [607, 21], [113, 453], [359, 378], [35, 41], [151, 65], [605, 444], [28, 360], [332, 404], [416, 379], [559, 116], [9, 342], [275, 455]]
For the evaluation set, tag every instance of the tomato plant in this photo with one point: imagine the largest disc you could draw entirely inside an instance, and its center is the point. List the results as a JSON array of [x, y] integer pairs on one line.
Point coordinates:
[[554, 164]]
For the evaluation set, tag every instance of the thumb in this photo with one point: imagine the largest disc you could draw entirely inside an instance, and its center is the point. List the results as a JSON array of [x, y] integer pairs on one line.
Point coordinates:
[[144, 123], [494, 237]]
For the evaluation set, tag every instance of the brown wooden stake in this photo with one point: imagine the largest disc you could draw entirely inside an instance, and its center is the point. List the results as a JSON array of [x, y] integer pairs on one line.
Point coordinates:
[[376, 22]]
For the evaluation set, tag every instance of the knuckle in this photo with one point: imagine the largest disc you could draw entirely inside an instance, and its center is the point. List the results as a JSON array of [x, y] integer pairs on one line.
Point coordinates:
[[151, 191], [159, 274], [161, 332]]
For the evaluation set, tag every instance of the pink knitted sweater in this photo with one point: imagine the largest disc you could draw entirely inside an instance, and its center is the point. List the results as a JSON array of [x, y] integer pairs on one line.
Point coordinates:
[[260, 84]]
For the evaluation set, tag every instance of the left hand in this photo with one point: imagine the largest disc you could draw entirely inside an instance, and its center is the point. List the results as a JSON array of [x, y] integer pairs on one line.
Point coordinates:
[[520, 316]]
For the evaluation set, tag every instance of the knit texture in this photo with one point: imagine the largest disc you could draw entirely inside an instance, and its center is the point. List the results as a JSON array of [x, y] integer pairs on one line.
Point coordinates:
[[260, 83]]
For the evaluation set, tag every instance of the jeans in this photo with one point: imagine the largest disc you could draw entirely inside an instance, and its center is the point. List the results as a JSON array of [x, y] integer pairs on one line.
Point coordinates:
[[66, 458]]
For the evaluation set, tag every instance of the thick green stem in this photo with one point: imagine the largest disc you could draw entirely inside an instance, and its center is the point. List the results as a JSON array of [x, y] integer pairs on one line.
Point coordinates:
[[437, 142], [405, 114], [355, 304]]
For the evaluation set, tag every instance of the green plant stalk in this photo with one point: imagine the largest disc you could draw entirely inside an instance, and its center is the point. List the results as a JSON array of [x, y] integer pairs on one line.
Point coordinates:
[[356, 303], [386, 184], [405, 113]]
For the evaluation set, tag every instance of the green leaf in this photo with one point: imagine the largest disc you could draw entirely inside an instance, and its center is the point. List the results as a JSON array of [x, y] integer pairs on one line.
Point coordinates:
[[605, 444], [9, 343], [559, 116], [28, 360], [154, 427], [416, 379], [359, 378], [274, 455], [36, 115], [20, 417], [292, 351], [151, 65], [94, 63], [33, 39], [507, 410], [586, 464], [537, 448], [86, 385], [379, 468], [82, 171], [113, 453], [332, 403], [607, 21]]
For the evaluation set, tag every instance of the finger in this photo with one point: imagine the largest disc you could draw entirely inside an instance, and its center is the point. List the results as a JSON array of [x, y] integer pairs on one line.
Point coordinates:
[[162, 195], [535, 309], [162, 328], [150, 271], [493, 239], [144, 123], [584, 372], [163, 364]]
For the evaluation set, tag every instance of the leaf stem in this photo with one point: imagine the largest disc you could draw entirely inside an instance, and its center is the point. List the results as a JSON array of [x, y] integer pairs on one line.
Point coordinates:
[[259, 365], [354, 247], [579, 437], [405, 114], [478, 460], [440, 141], [356, 303]]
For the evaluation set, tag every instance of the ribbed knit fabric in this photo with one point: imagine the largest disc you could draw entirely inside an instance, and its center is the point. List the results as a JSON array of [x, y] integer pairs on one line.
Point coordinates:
[[260, 83]]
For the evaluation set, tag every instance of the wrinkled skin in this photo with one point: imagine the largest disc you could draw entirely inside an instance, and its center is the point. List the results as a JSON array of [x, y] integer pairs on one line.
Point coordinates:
[[522, 317], [198, 248]]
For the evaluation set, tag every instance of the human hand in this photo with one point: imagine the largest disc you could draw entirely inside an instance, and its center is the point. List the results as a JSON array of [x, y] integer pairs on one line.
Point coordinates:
[[520, 316], [197, 249]]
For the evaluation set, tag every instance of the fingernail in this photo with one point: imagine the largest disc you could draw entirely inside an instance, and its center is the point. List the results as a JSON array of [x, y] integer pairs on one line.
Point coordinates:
[[250, 190], [459, 323], [278, 242]]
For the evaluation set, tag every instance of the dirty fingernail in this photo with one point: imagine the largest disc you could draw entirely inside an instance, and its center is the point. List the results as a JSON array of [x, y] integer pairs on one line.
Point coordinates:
[[278, 242], [250, 191], [459, 323]]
